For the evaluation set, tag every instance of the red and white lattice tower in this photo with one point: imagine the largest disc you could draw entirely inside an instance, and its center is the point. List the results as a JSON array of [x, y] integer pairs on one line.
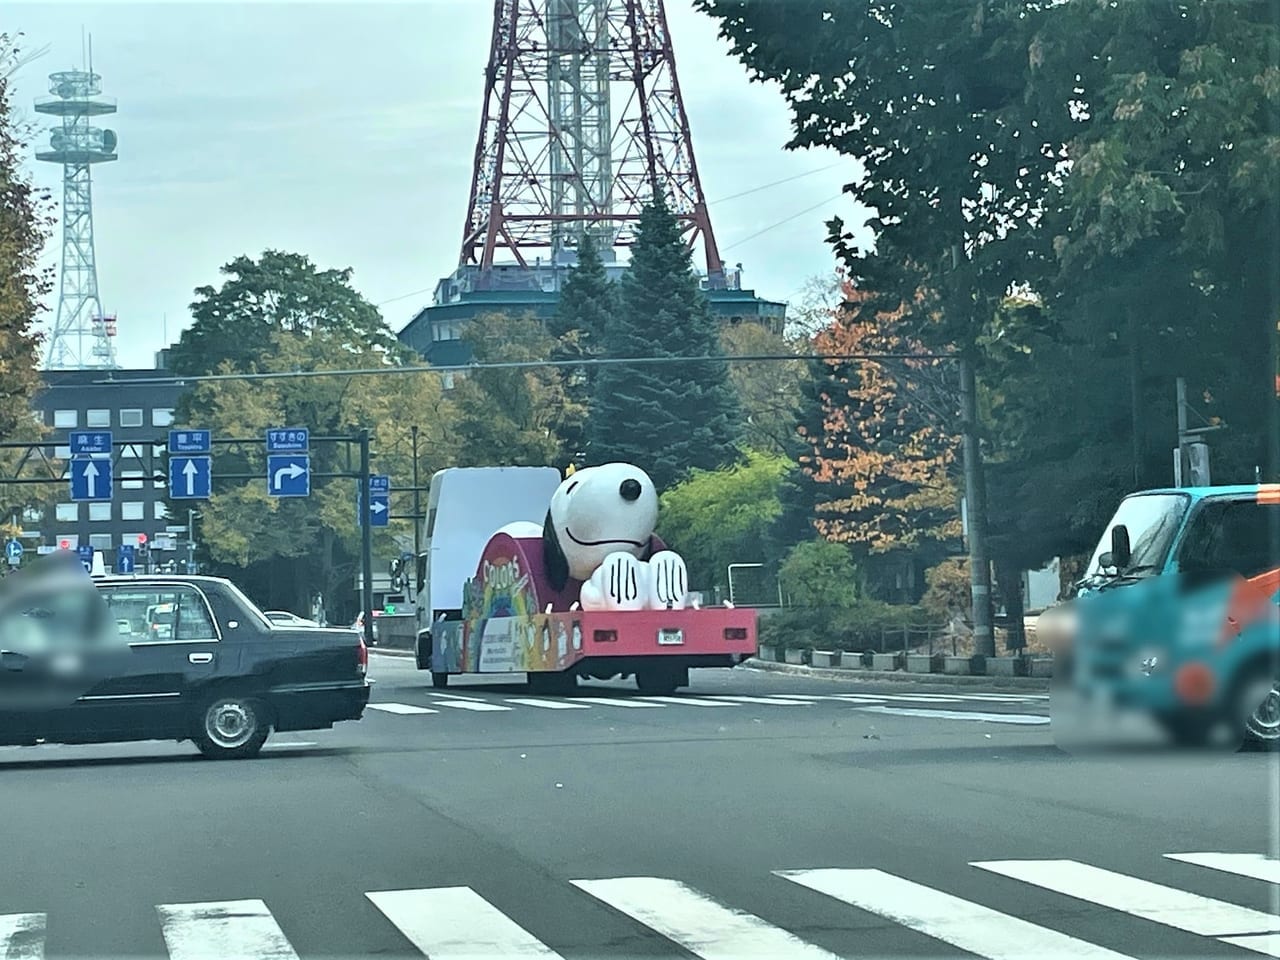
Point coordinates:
[[583, 122]]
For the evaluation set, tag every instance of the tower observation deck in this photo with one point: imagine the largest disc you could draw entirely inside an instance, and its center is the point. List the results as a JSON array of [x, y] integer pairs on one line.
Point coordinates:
[[83, 337], [583, 120]]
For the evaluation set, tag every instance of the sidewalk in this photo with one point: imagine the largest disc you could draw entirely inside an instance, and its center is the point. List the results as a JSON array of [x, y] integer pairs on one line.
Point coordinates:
[[861, 674]]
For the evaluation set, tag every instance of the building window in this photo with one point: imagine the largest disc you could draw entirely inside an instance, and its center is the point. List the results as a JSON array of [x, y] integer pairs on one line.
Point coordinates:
[[162, 417], [62, 453], [97, 418], [99, 512], [132, 510], [131, 479], [101, 541], [161, 510], [67, 512], [66, 419], [130, 418]]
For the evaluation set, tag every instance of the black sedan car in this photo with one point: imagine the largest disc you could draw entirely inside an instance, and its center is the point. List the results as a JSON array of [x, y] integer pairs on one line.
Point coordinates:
[[113, 659]]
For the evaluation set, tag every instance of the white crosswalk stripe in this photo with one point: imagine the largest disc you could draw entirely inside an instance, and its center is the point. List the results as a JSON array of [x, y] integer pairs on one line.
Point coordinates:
[[612, 702], [689, 701], [477, 706], [1021, 719], [22, 936], [548, 704], [401, 709], [244, 929], [1168, 906], [456, 923], [969, 926], [1252, 865], [771, 701], [703, 926]]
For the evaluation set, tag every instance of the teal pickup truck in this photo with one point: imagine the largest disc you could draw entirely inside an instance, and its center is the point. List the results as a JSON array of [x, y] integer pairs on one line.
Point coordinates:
[[1178, 614]]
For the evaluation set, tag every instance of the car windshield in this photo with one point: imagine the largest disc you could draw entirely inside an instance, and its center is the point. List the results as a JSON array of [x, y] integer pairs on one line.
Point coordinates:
[[1152, 521]]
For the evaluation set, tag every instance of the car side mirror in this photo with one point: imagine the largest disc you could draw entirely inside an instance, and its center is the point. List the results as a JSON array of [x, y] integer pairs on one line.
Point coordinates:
[[1121, 552]]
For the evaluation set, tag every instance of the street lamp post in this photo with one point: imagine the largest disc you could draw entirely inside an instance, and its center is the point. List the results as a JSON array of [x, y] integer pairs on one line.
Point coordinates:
[[191, 540]]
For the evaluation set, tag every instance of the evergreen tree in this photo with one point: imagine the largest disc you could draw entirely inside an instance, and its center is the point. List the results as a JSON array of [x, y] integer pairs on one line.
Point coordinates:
[[667, 418], [586, 302]]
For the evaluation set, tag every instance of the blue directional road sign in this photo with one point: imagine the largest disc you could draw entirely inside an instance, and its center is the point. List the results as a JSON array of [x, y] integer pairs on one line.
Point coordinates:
[[86, 558], [287, 440], [190, 478], [13, 552], [289, 475], [84, 442], [189, 441], [125, 558], [90, 479]]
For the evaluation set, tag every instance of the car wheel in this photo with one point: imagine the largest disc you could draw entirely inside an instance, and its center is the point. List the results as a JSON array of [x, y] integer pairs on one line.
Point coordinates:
[[1261, 721], [232, 727], [657, 681], [439, 680]]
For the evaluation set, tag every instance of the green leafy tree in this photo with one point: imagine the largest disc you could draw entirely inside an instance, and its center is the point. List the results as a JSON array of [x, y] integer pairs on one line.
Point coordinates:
[[769, 391], [718, 517], [517, 417], [674, 417]]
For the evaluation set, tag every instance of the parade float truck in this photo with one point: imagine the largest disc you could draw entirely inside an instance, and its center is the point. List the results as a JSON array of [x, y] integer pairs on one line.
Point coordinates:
[[567, 580]]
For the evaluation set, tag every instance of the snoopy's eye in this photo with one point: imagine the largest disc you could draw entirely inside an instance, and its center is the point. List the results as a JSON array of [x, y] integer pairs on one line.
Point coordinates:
[[569, 490]]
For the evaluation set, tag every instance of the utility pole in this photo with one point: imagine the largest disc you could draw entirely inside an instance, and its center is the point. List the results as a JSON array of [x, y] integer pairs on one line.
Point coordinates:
[[191, 540], [417, 502], [976, 499], [366, 540]]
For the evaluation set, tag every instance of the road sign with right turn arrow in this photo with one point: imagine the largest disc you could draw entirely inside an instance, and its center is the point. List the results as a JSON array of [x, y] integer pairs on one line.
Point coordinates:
[[289, 475]]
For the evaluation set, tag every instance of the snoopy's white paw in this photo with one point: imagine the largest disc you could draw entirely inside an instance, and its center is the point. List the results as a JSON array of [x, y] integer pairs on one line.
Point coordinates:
[[620, 583], [668, 581]]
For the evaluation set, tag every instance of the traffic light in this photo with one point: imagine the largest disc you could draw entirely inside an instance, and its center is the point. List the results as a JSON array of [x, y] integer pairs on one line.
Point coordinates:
[[142, 539]]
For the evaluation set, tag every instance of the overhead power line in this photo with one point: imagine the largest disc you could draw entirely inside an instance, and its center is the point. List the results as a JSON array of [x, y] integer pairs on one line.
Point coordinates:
[[527, 365]]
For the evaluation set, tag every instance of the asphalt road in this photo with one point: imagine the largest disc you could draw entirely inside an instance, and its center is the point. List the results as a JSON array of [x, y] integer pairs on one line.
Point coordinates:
[[805, 818]]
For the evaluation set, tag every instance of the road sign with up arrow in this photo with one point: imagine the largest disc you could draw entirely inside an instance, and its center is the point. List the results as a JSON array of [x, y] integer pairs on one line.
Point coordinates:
[[90, 479], [125, 558], [190, 478]]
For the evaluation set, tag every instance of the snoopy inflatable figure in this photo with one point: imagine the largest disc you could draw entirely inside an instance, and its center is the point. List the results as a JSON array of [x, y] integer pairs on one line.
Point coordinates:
[[599, 531]]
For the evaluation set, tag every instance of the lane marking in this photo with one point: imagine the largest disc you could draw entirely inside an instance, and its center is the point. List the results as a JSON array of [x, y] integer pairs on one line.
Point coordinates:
[[772, 701], [969, 926], [688, 701], [243, 929], [701, 925], [611, 702], [285, 745], [1252, 865], [403, 709], [456, 923], [1168, 906], [479, 706], [454, 696], [836, 698], [548, 704], [1267, 944], [1022, 719], [22, 936]]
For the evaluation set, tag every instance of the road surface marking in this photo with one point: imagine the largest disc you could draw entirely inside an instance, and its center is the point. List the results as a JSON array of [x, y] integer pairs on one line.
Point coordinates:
[[479, 706], [772, 701], [912, 697], [703, 926], [1253, 865], [1267, 944], [243, 929], [1141, 898], [22, 936], [548, 704], [400, 708], [688, 701], [1001, 697], [837, 698], [288, 744], [456, 923], [1025, 719], [454, 696], [611, 702], [969, 926]]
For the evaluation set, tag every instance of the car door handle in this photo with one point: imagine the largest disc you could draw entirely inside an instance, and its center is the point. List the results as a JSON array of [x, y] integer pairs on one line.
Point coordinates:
[[200, 657], [12, 661]]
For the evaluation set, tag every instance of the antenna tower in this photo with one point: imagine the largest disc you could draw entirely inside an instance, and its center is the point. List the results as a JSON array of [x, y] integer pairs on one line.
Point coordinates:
[[583, 124], [83, 337]]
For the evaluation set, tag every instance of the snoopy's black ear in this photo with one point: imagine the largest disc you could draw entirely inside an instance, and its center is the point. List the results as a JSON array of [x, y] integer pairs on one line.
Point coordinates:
[[553, 556]]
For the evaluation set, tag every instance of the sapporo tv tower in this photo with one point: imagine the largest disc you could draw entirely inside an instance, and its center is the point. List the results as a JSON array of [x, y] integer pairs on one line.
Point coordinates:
[[83, 337], [583, 122]]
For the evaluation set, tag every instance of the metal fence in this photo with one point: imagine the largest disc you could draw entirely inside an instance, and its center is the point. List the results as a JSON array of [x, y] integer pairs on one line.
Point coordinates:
[[750, 585]]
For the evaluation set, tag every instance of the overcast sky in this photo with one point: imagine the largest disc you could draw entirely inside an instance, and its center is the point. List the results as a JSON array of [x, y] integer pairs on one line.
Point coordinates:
[[346, 132]]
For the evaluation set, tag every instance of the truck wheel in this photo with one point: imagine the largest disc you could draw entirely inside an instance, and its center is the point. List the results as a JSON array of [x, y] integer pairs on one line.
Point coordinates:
[[422, 652], [553, 684], [439, 680], [232, 727], [657, 681], [1258, 705]]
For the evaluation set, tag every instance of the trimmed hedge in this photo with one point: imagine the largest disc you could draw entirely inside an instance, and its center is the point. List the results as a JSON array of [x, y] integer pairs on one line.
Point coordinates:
[[857, 627]]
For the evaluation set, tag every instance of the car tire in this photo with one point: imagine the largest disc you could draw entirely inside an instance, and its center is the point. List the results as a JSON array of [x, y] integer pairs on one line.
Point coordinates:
[[439, 680], [657, 681], [232, 726], [1260, 723]]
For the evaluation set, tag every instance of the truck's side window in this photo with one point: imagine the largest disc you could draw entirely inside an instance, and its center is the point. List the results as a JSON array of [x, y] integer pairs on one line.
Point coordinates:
[[1239, 536]]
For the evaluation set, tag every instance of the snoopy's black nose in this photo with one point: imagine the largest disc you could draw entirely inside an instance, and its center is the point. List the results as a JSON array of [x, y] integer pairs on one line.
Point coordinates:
[[630, 490]]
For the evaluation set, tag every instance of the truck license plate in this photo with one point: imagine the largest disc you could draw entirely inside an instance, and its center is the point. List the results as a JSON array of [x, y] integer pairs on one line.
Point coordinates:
[[670, 638]]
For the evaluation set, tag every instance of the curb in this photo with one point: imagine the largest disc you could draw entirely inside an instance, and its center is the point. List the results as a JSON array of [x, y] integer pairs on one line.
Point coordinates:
[[895, 676]]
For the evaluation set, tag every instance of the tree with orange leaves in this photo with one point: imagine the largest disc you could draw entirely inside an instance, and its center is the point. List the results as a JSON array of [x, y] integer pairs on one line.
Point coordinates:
[[881, 462]]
